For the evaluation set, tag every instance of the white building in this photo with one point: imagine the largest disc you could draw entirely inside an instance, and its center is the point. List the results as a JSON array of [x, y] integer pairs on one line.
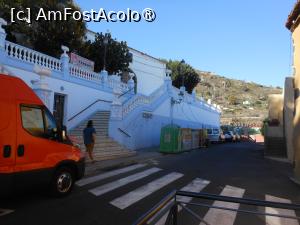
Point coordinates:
[[150, 72], [75, 94]]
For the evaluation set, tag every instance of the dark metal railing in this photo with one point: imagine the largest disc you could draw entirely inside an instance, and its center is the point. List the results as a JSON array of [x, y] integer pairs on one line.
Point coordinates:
[[121, 95], [124, 132], [172, 203], [89, 106], [98, 100]]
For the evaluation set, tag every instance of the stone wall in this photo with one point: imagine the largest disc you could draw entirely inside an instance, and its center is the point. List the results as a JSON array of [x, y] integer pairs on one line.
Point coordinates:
[[296, 135], [288, 116]]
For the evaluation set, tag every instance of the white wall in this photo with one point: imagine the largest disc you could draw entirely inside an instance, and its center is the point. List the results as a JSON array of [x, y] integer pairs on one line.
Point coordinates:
[[188, 112], [150, 72], [77, 96]]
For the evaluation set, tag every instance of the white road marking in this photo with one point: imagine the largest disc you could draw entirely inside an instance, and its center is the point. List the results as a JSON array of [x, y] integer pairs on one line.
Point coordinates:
[[271, 220], [123, 181], [142, 192], [196, 186], [223, 217], [4, 212], [103, 176]]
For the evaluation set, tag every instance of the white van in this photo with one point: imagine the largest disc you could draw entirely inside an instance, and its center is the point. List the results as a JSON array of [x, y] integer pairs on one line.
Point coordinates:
[[213, 134]]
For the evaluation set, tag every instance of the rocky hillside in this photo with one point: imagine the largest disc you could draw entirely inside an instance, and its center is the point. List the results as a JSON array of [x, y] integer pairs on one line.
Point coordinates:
[[241, 101]]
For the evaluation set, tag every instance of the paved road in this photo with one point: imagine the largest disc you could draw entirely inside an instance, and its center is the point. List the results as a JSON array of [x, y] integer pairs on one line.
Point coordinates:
[[121, 195]]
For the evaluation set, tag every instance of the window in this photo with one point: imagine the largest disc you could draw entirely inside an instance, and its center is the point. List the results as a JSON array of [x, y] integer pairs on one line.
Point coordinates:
[[216, 131], [32, 120], [209, 131], [50, 125], [39, 122]]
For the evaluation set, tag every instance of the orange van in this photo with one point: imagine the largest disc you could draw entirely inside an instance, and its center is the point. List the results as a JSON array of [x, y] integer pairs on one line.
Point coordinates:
[[34, 151]]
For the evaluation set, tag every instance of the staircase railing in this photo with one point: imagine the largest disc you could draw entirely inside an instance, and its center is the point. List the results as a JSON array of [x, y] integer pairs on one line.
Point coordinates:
[[171, 202], [139, 100], [86, 108]]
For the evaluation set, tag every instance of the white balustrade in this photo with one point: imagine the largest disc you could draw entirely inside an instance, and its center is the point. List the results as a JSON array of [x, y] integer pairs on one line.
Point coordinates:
[[81, 73], [139, 100], [112, 83], [28, 55]]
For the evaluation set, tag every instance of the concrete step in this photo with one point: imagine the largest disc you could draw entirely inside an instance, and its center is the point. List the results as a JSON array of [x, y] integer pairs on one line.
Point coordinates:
[[98, 138], [105, 147], [80, 133], [109, 157], [108, 148], [114, 153]]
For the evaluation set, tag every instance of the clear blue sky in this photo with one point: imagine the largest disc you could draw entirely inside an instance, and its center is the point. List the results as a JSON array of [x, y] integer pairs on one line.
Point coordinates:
[[244, 40]]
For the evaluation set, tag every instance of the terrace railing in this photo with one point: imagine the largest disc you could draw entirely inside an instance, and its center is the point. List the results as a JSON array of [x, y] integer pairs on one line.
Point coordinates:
[[28, 55], [170, 204]]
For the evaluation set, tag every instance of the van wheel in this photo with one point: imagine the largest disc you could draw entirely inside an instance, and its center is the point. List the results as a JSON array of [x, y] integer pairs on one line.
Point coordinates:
[[62, 182]]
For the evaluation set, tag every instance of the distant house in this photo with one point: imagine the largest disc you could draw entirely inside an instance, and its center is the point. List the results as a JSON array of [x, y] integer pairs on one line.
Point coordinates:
[[246, 103]]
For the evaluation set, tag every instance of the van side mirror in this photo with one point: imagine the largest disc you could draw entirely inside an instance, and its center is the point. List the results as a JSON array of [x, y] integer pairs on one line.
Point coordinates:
[[64, 133]]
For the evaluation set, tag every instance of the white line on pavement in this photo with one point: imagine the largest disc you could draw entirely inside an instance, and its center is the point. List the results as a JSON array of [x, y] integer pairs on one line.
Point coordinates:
[[143, 191], [222, 217], [123, 181], [271, 220], [196, 186], [103, 176], [4, 212]]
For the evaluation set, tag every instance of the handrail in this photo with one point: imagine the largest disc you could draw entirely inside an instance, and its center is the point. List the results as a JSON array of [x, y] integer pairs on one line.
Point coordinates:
[[98, 100], [247, 201], [154, 212], [124, 132], [125, 92]]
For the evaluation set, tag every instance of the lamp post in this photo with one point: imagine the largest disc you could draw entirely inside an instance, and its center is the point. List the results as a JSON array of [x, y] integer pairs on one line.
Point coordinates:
[[105, 42], [181, 72], [173, 102], [180, 94]]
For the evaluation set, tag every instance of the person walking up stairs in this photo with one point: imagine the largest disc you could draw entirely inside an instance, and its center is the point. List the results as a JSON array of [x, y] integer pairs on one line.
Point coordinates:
[[104, 147]]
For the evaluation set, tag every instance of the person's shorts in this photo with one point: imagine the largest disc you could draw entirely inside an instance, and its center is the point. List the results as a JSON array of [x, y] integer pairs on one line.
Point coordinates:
[[89, 147]]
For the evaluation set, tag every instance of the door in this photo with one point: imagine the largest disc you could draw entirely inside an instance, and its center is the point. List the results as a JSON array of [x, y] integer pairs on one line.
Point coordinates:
[[58, 109], [38, 146]]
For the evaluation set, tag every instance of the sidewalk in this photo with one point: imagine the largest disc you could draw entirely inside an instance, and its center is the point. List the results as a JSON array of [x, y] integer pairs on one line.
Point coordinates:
[[142, 156]]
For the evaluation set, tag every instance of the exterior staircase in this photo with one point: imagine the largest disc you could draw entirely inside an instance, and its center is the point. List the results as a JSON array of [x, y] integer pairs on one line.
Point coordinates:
[[105, 148]]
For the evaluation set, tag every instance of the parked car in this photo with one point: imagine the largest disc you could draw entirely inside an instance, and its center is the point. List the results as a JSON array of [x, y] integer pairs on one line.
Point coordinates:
[[213, 135], [232, 135], [238, 137], [222, 137], [228, 136], [34, 151]]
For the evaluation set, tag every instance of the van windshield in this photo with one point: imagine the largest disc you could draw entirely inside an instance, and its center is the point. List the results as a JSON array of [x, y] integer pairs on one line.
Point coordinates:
[[216, 131], [209, 131]]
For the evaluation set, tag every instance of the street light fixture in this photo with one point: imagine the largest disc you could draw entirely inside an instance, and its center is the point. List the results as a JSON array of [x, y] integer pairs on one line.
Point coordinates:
[[181, 72], [180, 94], [105, 42]]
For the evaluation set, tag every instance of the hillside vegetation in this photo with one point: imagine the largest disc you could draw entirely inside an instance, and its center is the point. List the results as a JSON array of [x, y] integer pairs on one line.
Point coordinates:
[[240, 101]]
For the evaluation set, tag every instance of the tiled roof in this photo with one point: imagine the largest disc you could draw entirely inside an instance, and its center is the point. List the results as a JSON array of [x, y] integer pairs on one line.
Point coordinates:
[[293, 15]]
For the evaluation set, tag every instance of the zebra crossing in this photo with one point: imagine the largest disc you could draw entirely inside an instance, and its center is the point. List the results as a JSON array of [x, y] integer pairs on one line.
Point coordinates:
[[212, 216], [4, 212]]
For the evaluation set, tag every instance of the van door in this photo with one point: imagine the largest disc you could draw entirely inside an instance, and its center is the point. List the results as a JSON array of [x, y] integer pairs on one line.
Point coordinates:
[[38, 150]]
